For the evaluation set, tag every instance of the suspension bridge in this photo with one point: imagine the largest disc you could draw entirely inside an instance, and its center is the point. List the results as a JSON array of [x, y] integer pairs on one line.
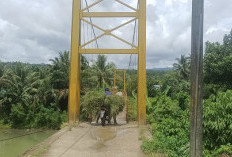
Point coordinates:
[[87, 34]]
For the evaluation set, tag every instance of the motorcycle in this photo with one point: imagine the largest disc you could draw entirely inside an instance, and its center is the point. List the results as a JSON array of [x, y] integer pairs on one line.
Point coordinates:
[[104, 115]]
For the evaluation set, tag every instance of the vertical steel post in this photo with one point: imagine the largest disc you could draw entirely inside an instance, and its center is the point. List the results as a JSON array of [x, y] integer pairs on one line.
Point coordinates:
[[141, 102], [74, 75], [196, 107]]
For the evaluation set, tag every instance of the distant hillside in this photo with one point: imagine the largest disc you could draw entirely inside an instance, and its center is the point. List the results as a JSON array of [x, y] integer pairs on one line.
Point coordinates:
[[14, 63], [161, 69]]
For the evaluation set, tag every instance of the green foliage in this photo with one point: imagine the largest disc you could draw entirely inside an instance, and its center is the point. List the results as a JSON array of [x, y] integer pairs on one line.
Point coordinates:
[[132, 111], [92, 101], [116, 104], [17, 116], [131, 82], [182, 67], [37, 95], [218, 120], [183, 100], [169, 116], [104, 71], [32, 94], [174, 84], [49, 118], [169, 128], [35, 117], [218, 62], [223, 150], [60, 71]]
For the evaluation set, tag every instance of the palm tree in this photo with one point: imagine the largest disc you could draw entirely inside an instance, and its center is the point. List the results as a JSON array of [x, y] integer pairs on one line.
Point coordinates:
[[104, 71], [182, 67], [60, 79], [60, 71]]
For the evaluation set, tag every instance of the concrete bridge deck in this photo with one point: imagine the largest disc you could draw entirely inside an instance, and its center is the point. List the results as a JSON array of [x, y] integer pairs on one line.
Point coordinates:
[[86, 140]]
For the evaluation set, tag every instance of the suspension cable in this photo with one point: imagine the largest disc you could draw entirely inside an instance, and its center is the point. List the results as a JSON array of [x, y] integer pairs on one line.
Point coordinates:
[[133, 38], [91, 24]]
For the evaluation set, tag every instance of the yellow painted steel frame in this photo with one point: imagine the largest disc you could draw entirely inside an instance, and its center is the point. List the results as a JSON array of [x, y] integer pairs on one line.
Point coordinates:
[[77, 49]]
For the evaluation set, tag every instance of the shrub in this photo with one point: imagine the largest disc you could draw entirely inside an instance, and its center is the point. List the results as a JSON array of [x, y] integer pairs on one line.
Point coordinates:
[[218, 120], [17, 116], [116, 104], [170, 128], [91, 104], [23, 116], [48, 118]]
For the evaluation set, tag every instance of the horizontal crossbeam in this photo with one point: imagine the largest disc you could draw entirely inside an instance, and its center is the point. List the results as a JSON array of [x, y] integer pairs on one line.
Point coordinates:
[[109, 32], [119, 1], [128, 6], [108, 14], [90, 6], [108, 51]]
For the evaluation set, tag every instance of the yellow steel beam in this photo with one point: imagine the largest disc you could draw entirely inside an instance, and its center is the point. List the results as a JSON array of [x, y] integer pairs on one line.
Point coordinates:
[[115, 36], [96, 26], [123, 24], [93, 40], [108, 51], [124, 78], [142, 64], [128, 6], [91, 5], [109, 32], [74, 75], [74, 82], [108, 14]]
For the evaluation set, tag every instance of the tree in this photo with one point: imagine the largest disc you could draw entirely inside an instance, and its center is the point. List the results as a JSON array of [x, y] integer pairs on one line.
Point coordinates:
[[218, 62], [60, 71], [182, 67], [104, 71]]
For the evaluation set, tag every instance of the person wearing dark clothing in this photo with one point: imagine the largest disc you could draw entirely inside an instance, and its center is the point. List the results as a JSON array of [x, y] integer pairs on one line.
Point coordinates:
[[107, 92]]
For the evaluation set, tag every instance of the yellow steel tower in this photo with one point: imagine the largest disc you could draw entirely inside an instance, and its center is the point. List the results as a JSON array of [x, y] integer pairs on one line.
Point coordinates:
[[77, 48]]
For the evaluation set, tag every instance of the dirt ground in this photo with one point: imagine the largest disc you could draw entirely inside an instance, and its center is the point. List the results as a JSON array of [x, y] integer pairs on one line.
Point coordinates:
[[86, 140]]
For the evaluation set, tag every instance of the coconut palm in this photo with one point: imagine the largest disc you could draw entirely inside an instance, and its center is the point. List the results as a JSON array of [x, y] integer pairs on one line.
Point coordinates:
[[104, 71], [182, 67]]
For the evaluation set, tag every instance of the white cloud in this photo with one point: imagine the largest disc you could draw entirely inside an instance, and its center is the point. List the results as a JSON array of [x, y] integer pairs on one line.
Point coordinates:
[[35, 31]]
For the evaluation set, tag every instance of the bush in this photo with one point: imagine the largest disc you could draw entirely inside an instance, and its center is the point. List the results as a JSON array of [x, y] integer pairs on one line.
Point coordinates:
[[218, 120], [17, 116], [170, 128], [48, 118], [116, 104], [170, 125], [91, 104], [23, 116]]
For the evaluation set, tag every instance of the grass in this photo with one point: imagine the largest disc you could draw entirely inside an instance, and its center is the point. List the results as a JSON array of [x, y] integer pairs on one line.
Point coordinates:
[[4, 126], [41, 151]]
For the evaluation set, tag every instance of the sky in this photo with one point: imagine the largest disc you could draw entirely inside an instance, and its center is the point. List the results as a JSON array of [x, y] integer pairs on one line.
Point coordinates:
[[35, 31]]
